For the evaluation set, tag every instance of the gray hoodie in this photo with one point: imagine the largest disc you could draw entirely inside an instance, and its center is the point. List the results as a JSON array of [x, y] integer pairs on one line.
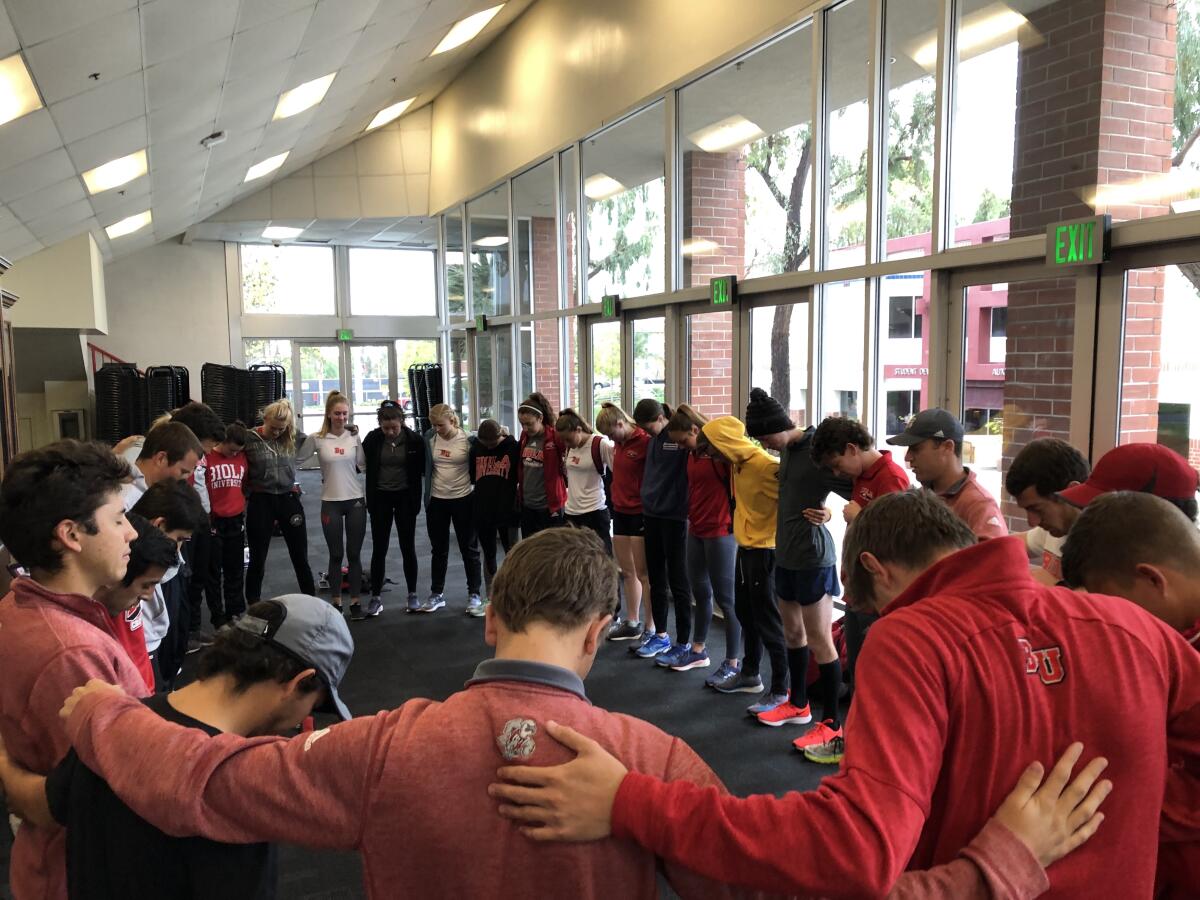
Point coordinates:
[[269, 468]]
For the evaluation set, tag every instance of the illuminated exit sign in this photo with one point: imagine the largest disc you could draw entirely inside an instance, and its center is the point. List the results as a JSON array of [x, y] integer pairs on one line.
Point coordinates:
[[1081, 242], [723, 291], [610, 305], [345, 334]]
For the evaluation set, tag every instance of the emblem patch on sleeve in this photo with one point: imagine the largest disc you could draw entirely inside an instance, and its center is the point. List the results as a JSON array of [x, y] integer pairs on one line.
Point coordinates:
[[516, 740]]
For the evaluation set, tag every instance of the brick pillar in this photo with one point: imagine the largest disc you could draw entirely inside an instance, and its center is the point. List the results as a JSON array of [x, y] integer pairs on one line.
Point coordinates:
[[1091, 111], [714, 228], [544, 270]]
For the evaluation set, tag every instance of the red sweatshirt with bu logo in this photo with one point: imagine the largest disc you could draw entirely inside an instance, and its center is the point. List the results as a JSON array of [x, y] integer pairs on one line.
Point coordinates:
[[223, 477], [971, 673]]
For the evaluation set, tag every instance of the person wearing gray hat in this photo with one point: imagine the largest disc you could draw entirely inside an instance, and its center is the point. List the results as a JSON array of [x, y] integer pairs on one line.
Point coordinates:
[[264, 673]]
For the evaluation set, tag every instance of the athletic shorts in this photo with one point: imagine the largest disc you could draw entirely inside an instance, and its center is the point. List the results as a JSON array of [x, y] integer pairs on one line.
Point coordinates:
[[628, 524], [806, 586]]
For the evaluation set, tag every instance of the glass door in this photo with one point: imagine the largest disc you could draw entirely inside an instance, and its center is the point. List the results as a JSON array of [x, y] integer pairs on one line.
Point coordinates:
[[606, 364], [371, 381], [320, 373], [648, 354]]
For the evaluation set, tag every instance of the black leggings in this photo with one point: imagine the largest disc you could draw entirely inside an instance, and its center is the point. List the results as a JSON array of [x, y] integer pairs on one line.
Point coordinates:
[[263, 512], [439, 515], [666, 566], [599, 522], [487, 543], [757, 610], [402, 508], [227, 568], [535, 520], [348, 517]]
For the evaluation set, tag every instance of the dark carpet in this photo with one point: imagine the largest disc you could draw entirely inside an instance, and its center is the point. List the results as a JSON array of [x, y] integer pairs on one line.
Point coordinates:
[[400, 656]]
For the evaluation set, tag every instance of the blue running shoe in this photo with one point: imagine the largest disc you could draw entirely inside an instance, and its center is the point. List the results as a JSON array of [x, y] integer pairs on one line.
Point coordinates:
[[668, 659], [724, 675], [766, 703], [414, 603], [741, 683], [644, 638], [660, 643], [692, 659]]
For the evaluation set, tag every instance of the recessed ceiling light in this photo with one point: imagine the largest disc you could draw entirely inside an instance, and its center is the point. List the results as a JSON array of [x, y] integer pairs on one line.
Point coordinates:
[[601, 187], [128, 225], [281, 233], [735, 131], [465, 29], [115, 173], [302, 97], [18, 96], [495, 240], [266, 167], [390, 113]]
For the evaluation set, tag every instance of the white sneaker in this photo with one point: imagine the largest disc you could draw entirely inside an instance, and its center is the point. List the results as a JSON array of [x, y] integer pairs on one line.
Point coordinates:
[[475, 605]]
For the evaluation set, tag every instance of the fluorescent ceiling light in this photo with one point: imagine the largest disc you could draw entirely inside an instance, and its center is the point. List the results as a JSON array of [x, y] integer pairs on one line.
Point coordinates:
[[465, 29], [699, 247], [601, 187], [258, 170], [281, 232], [991, 27], [736, 131], [390, 113], [115, 173], [18, 96], [129, 225], [495, 240], [303, 97]]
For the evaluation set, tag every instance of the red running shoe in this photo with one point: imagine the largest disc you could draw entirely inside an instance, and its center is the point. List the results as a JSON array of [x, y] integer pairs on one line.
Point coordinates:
[[821, 734], [786, 714]]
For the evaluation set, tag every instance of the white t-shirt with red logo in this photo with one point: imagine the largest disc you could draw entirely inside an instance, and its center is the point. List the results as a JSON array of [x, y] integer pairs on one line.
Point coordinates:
[[341, 457], [451, 466]]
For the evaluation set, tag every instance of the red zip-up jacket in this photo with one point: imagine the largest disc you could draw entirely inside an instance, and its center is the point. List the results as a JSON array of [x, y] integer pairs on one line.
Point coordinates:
[[629, 465], [224, 476], [972, 672], [709, 514], [552, 470], [49, 645]]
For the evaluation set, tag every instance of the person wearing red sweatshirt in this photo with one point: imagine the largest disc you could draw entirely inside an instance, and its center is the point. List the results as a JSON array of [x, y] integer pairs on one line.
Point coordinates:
[[973, 669], [541, 480], [62, 517], [224, 474]]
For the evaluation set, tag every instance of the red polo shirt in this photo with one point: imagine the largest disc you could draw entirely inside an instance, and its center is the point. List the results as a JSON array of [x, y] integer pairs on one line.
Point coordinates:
[[976, 507], [885, 476]]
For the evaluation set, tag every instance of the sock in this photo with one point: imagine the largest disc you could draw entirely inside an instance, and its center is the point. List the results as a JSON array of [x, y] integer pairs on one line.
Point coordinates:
[[831, 681], [798, 668]]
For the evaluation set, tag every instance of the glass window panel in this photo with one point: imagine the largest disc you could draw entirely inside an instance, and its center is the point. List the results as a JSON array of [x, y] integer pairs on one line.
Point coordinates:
[[649, 355], [847, 82], [624, 182], [606, 364], [903, 352], [710, 363], [779, 357], [843, 324], [571, 340], [537, 239], [320, 373], [746, 135], [460, 377], [370, 378], [257, 350], [412, 352], [487, 219], [911, 111], [483, 376], [287, 280], [456, 299], [506, 408], [392, 282], [527, 362], [568, 167]]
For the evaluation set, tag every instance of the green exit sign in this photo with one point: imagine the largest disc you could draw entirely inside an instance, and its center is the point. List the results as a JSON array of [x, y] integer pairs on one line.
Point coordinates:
[[1080, 242], [610, 304], [723, 290], [345, 334], [481, 322]]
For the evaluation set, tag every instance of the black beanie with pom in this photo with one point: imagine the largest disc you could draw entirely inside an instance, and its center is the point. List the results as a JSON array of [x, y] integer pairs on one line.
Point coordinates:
[[764, 415]]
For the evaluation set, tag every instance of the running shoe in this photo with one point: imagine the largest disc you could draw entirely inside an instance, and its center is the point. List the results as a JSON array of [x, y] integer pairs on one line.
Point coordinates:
[[479, 610], [414, 603], [659, 643], [626, 631], [434, 603], [669, 657], [787, 714], [374, 608], [322, 581], [743, 684], [474, 605], [356, 612], [829, 753], [821, 733], [693, 659], [645, 637], [766, 703], [198, 642], [725, 674]]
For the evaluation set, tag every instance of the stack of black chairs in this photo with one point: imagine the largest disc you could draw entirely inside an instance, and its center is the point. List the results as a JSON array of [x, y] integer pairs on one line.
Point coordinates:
[[220, 388], [167, 388], [425, 388], [265, 383], [240, 395], [121, 405]]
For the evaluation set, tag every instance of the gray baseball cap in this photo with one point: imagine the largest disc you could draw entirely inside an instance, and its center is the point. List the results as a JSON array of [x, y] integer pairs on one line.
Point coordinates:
[[929, 424], [313, 633]]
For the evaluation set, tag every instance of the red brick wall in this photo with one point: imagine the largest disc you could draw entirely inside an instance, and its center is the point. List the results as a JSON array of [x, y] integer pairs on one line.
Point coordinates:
[[547, 367], [710, 363]]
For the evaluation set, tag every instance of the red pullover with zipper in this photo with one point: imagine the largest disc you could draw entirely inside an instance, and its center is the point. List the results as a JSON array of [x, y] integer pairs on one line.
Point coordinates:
[[972, 672], [628, 467], [709, 513]]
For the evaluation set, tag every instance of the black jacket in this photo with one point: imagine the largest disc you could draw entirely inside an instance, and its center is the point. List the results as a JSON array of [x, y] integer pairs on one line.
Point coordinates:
[[414, 464]]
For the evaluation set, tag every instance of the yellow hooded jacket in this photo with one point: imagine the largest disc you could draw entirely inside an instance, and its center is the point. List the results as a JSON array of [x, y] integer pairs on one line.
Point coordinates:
[[755, 482]]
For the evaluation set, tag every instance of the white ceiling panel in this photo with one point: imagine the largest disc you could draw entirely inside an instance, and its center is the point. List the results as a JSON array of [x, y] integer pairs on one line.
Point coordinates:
[[64, 193], [111, 47], [33, 175], [128, 137], [201, 69], [387, 34], [93, 111], [247, 117], [28, 137], [389, 8], [60, 218], [7, 219], [52, 236], [40, 20], [191, 119], [14, 236], [320, 61], [256, 12], [8, 38], [334, 18], [111, 202], [176, 154], [258, 47], [173, 27]]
